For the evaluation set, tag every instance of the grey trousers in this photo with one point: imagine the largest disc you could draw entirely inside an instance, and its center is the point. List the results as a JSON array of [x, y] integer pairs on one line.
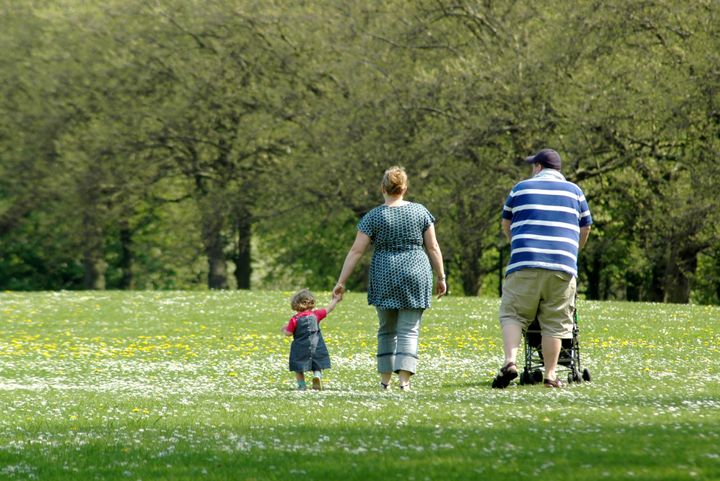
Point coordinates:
[[398, 339]]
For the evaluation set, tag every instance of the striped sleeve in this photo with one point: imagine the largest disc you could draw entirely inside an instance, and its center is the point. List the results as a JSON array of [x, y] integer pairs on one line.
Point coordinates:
[[585, 217], [507, 212]]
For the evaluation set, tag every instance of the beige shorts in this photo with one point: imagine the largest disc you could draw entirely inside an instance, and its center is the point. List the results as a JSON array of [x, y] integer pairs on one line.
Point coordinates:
[[542, 293]]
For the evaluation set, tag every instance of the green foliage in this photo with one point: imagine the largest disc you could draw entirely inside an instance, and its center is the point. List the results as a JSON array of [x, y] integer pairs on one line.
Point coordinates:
[[164, 140]]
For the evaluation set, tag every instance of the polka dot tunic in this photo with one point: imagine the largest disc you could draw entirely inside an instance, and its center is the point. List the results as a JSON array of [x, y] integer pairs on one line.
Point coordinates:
[[400, 271]]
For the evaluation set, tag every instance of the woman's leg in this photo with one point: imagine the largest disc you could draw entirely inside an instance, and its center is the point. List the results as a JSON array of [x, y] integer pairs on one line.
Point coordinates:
[[408, 332], [387, 342]]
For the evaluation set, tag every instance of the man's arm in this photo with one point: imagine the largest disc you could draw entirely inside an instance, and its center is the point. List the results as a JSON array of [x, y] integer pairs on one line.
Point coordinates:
[[584, 234], [506, 229]]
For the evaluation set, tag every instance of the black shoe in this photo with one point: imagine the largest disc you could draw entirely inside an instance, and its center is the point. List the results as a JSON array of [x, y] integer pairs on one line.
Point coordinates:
[[507, 373]]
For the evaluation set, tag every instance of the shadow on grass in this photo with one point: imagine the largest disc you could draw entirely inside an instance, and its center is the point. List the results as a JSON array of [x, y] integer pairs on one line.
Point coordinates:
[[516, 452]]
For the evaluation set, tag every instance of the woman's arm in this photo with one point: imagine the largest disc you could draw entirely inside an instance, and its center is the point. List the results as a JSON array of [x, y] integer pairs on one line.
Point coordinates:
[[362, 241], [436, 260]]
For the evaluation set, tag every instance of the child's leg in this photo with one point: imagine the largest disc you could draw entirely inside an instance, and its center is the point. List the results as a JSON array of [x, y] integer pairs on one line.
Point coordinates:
[[300, 378], [317, 380]]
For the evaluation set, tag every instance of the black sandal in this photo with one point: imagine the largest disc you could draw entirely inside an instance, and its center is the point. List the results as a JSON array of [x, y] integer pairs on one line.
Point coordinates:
[[507, 373], [553, 383]]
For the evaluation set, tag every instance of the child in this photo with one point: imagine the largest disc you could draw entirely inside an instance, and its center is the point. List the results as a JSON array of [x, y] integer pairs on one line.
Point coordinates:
[[308, 351]]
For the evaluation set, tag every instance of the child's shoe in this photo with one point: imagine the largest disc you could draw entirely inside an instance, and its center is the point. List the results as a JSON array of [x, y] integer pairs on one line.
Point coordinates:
[[383, 386], [301, 386], [317, 381]]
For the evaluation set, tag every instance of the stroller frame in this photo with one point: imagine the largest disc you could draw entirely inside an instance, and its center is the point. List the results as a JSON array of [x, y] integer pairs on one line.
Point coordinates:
[[532, 372]]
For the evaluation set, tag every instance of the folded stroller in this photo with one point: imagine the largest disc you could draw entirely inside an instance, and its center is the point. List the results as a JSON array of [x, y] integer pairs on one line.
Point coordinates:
[[532, 373]]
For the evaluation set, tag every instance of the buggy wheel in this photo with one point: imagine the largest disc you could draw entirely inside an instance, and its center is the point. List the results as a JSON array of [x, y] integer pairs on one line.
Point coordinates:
[[575, 375], [525, 378], [537, 376], [586, 375]]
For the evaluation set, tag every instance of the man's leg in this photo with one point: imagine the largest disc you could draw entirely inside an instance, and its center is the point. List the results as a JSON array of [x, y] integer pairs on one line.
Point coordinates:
[[551, 352], [518, 307], [512, 336], [519, 303], [556, 317]]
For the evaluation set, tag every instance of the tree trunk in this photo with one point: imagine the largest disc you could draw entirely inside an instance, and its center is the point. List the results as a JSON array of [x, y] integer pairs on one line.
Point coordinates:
[[592, 289], [217, 266], [214, 243], [127, 258], [471, 269], [633, 287], [471, 277], [95, 268], [243, 254], [94, 264], [677, 286], [716, 280], [681, 267]]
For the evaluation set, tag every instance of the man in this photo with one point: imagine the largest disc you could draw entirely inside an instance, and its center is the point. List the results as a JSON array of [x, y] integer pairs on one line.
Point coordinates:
[[547, 220]]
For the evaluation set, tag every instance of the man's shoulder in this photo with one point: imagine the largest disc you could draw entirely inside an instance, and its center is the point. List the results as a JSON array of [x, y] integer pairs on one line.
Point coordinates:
[[547, 183]]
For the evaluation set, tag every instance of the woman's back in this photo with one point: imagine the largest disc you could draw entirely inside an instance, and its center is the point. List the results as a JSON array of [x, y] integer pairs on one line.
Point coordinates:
[[400, 272]]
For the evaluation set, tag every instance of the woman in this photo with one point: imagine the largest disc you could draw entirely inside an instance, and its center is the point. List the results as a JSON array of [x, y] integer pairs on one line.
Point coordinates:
[[400, 284]]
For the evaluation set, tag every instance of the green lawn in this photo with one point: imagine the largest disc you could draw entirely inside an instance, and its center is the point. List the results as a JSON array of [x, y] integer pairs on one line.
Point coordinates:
[[194, 385]]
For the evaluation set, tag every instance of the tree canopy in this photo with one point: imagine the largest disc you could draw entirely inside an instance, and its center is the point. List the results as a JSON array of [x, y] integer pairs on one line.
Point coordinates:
[[236, 143]]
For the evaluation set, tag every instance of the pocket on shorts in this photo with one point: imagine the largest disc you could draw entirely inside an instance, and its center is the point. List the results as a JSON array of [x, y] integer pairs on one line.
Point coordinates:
[[565, 276], [524, 274]]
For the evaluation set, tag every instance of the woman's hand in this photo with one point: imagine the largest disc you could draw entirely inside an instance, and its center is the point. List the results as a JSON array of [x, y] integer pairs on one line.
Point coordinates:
[[339, 290], [440, 288], [337, 297]]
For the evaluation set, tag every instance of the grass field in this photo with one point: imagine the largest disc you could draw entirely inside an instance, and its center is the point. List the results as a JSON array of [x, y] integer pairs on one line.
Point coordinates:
[[194, 385]]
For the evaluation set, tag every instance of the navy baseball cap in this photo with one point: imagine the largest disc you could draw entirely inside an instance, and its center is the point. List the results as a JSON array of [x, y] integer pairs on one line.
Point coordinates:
[[547, 158]]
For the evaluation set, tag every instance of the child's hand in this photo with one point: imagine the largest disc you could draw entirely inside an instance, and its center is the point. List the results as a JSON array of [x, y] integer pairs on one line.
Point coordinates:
[[337, 297]]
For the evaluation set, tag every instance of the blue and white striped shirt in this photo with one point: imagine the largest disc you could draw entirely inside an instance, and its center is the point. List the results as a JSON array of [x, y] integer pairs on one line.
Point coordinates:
[[546, 213]]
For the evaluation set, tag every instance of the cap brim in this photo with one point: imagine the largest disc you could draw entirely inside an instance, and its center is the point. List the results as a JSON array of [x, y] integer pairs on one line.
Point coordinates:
[[530, 160]]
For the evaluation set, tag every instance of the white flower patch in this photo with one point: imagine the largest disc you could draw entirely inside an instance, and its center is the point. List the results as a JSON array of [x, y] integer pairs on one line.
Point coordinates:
[[19, 471]]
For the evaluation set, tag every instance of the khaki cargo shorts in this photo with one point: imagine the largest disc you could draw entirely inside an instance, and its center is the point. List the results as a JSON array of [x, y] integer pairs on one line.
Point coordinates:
[[542, 293]]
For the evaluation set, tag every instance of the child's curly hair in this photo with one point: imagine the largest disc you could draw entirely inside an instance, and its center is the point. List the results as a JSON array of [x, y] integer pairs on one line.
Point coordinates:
[[303, 300]]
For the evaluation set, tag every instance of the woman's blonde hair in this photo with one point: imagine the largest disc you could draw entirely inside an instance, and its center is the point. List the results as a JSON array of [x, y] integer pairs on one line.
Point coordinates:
[[303, 300], [395, 181]]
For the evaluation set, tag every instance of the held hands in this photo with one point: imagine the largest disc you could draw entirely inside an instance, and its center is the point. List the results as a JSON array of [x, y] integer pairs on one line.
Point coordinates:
[[336, 298], [338, 291]]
